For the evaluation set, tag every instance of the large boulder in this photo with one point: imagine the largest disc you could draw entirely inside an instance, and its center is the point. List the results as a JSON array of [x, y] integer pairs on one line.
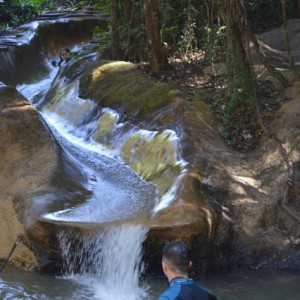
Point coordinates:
[[37, 177], [28, 163]]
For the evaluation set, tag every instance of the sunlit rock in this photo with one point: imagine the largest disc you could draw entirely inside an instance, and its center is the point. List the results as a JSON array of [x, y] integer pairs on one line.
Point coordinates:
[[106, 124], [28, 163], [122, 86], [33, 181]]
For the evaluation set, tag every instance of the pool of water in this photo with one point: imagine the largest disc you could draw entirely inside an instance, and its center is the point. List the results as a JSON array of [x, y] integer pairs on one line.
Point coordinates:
[[246, 285]]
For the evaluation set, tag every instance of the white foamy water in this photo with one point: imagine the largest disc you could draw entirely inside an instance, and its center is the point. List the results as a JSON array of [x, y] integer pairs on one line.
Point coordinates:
[[77, 120], [107, 260]]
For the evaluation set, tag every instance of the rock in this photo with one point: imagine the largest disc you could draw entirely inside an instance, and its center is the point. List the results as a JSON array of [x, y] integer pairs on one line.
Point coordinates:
[[133, 92], [37, 177], [27, 164], [193, 215]]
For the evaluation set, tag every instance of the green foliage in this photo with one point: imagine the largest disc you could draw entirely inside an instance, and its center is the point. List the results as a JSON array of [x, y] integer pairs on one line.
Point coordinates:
[[214, 38], [177, 24], [137, 49], [132, 33], [188, 40], [102, 35], [103, 5], [240, 96], [16, 12]]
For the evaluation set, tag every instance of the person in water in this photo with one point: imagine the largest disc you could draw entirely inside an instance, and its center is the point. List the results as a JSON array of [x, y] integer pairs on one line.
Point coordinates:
[[63, 55], [175, 265]]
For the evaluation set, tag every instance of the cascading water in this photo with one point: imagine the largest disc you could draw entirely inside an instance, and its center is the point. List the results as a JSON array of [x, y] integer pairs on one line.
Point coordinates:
[[109, 260], [107, 257]]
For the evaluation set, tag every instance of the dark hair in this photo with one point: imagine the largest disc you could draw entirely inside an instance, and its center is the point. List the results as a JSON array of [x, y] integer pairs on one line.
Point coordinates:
[[177, 254]]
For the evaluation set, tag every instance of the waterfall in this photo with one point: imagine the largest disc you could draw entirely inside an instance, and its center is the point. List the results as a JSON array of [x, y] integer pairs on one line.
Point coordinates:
[[107, 259]]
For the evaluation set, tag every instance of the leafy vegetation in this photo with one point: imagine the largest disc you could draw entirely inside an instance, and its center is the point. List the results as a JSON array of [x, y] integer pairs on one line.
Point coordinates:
[[16, 12]]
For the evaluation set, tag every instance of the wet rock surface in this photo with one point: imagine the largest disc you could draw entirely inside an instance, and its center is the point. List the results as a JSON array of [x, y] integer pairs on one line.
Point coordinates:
[[28, 163]]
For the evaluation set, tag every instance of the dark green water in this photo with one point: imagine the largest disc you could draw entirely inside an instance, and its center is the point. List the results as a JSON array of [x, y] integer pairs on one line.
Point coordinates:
[[249, 285], [245, 285]]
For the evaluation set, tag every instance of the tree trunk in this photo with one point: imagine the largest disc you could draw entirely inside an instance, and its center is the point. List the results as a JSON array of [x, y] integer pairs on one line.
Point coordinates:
[[128, 16], [115, 53], [237, 63], [157, 59]]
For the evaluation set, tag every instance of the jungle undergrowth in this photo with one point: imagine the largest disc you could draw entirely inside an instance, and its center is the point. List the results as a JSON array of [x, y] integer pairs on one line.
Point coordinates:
[[239, 128]]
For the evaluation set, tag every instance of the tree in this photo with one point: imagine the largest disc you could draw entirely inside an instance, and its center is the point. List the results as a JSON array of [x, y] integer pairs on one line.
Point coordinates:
[[239, 70], [128, 15], [115, 51], [157, 60]]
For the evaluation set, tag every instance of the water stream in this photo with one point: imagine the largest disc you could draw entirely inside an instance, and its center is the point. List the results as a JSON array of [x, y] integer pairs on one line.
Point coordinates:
[[16, 284], [109, 261]]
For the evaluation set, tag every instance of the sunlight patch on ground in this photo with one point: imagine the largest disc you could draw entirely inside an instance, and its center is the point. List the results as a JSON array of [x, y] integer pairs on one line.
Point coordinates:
[[247, 180]]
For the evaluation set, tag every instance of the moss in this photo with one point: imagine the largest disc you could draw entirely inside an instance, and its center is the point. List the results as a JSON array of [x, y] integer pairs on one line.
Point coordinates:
[[149, 156], [106, 124], [153, 158], [122, 85], [204, 110]]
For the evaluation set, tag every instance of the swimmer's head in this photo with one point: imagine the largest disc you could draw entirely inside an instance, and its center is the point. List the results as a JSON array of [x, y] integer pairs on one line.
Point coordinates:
[[64, 53]]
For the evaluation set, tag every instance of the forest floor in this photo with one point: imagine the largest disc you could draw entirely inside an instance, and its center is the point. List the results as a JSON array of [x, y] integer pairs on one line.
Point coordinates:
[[240, 128]]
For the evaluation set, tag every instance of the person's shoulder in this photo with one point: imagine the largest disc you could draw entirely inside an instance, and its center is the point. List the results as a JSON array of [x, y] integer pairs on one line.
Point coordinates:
[[171, 293]]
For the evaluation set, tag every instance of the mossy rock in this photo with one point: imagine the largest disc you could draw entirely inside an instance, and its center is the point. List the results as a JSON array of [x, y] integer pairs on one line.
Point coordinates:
[[122, 86], [106, 125], [148, 156]]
